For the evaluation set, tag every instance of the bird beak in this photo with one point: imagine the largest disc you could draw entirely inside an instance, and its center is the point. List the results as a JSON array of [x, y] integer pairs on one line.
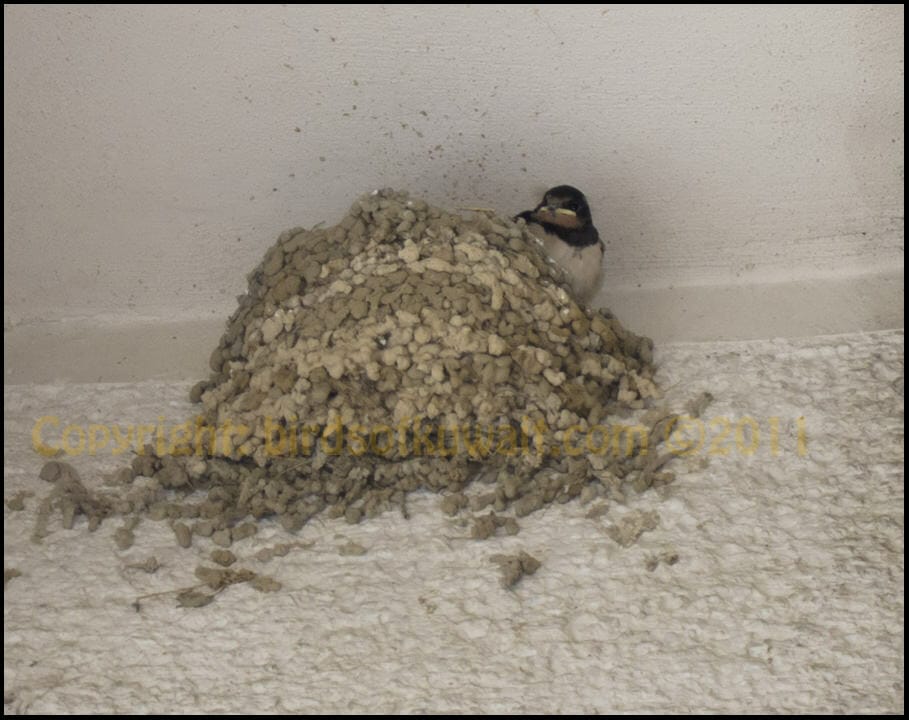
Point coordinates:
[[557, 216], [551, 210]]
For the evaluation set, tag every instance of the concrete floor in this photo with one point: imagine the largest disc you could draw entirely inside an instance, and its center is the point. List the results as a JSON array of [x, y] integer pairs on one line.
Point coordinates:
[[787, 595]]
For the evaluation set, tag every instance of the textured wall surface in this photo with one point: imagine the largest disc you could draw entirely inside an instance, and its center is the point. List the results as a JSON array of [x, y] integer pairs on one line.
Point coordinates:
[[153, 153]]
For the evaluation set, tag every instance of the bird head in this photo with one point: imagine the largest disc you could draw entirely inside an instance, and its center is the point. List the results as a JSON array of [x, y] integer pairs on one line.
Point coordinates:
[[564, 207]]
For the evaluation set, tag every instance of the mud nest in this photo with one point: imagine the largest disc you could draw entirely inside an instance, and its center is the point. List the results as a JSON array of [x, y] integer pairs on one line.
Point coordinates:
[[407, 347]]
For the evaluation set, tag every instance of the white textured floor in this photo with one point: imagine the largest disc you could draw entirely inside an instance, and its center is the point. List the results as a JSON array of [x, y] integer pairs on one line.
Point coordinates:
[[787, 596]]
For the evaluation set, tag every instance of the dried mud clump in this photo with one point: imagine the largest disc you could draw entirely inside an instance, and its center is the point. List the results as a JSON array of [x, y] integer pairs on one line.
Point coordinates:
[[515, 567], [407, 347]]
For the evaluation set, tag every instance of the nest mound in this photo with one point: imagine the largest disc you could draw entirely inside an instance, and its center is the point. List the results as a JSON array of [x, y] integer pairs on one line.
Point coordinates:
[[406, 347], [405, 311]]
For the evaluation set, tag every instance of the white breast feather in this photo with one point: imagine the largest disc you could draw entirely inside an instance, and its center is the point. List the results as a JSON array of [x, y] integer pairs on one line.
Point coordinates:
[[584, 266]]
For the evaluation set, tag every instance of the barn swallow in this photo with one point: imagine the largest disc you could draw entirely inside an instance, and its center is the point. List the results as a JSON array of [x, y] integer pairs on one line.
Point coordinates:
[[562, 221]]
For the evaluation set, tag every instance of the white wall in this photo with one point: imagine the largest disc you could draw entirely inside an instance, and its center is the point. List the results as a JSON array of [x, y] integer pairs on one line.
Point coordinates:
[[153, 153]]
